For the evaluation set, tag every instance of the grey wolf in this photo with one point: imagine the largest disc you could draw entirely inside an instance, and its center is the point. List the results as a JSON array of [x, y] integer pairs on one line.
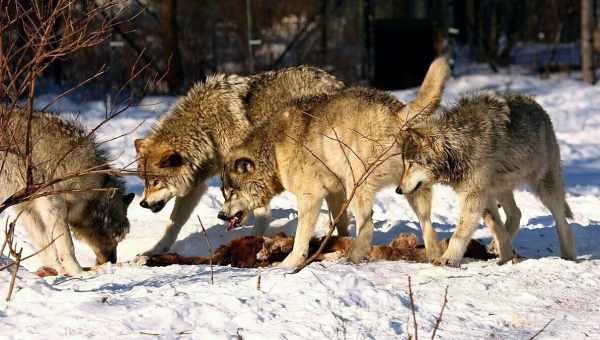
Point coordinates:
[[187, 146], [320, 146], [484, 147], [98, 218]]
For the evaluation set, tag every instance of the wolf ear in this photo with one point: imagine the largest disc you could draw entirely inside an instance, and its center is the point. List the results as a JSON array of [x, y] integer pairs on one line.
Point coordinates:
[[139, 144], [431, 90], [170, 159], [244, 165], [127, 199]]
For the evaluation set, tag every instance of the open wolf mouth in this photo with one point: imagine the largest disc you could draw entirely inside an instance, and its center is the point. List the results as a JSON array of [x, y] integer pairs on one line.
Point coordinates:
[[235, 220]]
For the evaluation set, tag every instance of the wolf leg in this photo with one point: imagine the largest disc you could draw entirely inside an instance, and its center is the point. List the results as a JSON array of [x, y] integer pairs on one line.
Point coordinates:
[[184, 206], [362, 209], [309, 206], [513, 213], [335, 202], [262, 217], [37, 233], [492, 220], [551, 192], [513, 218], [420, 201], [471, 210], [53, 212]]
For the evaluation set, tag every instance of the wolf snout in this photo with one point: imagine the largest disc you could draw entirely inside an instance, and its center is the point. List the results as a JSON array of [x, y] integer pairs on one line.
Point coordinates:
[[106, 256], [154, 207], [399, 190], [223, 216], [113, 256]]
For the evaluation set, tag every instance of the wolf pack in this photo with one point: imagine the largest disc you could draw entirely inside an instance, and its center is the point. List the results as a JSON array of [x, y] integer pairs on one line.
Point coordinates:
[[300, 130]]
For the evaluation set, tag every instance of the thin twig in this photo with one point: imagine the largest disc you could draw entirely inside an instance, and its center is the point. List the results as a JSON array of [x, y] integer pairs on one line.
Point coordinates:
[[210, 249], [412, 308], [439, 318], [13, 278], [149, 333], [542, 330], [7, 233]]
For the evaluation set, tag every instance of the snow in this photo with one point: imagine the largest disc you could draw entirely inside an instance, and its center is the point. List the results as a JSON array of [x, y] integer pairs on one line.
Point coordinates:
[[336, 300]]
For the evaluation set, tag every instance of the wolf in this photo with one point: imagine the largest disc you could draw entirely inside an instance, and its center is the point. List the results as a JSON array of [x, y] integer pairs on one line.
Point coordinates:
[[484, 147], [61, 147], [187, 146], [343, 144]]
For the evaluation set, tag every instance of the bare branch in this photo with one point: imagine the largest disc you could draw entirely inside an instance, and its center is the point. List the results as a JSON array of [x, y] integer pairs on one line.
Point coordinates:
[[13, 278], [412, 308], [541, 330], [210, 249], [439, 318]]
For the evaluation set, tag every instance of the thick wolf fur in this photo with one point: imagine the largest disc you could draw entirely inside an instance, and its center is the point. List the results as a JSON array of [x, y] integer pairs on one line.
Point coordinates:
[[98, 218], [484, 147], [188, 145], [321, 146]]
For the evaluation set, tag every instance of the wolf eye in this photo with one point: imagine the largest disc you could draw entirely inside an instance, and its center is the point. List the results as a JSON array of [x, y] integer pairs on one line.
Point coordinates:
[[155, 183]]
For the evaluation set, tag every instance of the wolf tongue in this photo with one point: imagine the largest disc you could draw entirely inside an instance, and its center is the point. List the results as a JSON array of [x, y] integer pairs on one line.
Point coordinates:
[[232, 223]]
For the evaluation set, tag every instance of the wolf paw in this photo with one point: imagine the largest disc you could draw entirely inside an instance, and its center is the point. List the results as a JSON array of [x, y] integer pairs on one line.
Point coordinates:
[[446, 262], [358, 253], [140, 260], [155, 251], [514, 259], [71, 268], [292, 261]]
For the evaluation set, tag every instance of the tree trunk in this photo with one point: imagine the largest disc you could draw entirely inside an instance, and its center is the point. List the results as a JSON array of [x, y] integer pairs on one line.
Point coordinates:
[[172, 56], [587, 51]]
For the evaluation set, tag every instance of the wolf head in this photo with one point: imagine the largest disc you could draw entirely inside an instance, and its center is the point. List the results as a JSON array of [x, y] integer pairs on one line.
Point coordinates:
[[102, 223], [418, 159], [167, 172], [249, 181], [420, 147], [185, 145]]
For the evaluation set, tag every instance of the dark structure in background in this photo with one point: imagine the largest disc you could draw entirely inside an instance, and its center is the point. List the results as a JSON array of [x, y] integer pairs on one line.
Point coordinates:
[[413, 54], [385, 43]]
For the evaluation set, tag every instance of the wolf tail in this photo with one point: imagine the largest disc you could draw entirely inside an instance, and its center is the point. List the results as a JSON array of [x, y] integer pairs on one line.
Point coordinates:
[[431, 90]]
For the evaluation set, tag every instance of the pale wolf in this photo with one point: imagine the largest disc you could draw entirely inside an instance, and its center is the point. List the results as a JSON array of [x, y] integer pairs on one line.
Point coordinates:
[[188, 145], [485, 146], [98, 218], [323, 145]]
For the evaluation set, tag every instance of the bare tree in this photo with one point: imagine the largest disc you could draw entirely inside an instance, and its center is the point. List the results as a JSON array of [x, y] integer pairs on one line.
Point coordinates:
[[172, 55], [587, 46]]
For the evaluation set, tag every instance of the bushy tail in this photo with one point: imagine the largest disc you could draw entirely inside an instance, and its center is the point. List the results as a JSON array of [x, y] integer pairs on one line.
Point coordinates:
[[431, 90]]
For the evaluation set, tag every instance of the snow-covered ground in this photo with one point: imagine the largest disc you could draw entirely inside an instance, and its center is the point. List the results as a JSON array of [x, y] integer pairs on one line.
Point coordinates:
[[337, 300]]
